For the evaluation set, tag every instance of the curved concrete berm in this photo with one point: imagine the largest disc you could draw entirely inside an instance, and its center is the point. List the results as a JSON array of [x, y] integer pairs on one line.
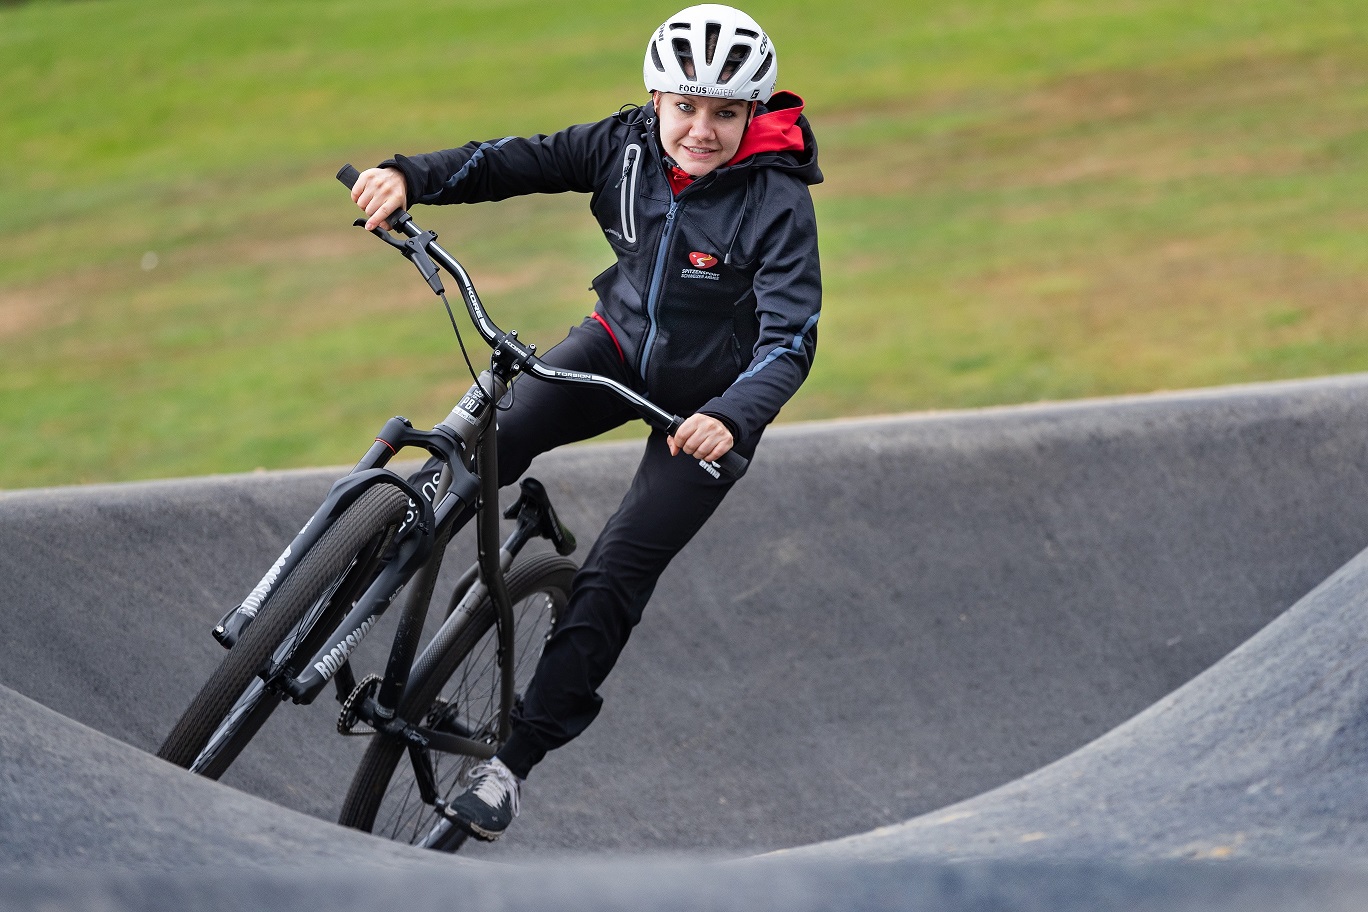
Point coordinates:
[[963, 660]]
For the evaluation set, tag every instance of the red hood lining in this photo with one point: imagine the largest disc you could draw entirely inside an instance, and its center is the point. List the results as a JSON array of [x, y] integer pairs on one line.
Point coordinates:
[[773, 131]]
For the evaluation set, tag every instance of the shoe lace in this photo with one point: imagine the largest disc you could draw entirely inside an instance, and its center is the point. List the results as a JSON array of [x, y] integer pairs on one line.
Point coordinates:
[[494, 782]]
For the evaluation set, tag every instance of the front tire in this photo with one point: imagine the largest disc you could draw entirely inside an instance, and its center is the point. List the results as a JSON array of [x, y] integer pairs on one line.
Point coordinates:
[[460, 688], [235, 702]]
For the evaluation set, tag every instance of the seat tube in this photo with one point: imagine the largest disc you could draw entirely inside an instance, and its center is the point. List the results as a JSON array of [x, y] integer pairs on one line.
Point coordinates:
[[491, 570]]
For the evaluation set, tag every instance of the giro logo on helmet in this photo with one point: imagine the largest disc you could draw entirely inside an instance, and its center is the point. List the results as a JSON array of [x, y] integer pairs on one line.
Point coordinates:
[[702, 260]]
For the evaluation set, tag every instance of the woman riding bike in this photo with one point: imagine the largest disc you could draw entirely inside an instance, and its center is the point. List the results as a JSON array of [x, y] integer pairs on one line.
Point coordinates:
[[710, 310]]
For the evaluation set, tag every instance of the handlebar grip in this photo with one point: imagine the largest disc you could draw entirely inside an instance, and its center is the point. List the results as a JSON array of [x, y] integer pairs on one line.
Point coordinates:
[[348, 175], [733, 464]]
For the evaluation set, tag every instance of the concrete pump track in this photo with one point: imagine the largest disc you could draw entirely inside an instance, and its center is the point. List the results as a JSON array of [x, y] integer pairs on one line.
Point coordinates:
[[1106, 654]]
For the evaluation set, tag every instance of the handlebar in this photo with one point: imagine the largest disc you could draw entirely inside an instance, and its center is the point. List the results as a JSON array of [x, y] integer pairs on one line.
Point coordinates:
[[421, 249]]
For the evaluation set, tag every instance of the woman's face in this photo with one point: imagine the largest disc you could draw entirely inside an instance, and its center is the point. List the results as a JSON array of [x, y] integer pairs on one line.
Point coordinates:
[[700, 134]]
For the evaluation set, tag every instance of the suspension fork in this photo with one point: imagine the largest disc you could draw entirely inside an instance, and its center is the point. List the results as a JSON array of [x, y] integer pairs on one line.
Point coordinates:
[[343, 493], [417, 557]]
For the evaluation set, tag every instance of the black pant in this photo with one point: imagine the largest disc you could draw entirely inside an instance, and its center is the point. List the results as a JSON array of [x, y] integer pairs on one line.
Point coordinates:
[[669, 500]]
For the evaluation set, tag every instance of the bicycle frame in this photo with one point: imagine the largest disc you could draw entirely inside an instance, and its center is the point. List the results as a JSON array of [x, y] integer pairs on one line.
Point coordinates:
[[460, 439], [462, 442]]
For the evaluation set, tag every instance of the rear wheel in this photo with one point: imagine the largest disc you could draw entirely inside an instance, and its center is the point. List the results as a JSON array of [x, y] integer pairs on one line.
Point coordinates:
[[457, 689], [292, 623]]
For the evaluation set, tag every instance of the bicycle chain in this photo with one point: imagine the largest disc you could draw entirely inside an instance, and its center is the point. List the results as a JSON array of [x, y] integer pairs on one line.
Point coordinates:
[[347, 719]]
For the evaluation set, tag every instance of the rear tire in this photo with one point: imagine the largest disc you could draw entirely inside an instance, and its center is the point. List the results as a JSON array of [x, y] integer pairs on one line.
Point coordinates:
[[234, 703], [460, 684]]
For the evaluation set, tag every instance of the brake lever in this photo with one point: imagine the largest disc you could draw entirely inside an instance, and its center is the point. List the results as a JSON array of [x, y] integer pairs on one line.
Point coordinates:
[[414, 250]]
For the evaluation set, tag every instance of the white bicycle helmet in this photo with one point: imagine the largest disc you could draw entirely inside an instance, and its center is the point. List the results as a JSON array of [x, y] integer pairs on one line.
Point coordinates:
[[711, 50]]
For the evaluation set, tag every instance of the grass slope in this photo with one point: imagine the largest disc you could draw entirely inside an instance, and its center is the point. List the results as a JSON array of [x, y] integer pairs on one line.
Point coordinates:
[[1025, 200]]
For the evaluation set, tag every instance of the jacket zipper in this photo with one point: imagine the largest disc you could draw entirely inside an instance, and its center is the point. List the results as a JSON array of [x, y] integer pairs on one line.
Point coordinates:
[[657, 279], [627, 198]]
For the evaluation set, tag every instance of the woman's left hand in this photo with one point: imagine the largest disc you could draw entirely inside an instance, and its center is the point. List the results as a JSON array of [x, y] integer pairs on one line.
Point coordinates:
[[703, 437]]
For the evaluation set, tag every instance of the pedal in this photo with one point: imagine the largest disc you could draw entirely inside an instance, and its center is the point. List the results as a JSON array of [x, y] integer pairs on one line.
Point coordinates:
[[347, 719]]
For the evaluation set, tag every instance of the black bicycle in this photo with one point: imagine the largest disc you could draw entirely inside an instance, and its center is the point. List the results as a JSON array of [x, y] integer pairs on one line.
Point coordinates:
[[376, 534]]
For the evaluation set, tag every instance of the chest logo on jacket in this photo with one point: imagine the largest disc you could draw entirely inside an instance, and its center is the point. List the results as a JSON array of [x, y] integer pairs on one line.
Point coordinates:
[[701, 263]]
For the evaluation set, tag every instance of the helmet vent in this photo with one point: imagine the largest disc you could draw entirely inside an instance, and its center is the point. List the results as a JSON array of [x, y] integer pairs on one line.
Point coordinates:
[[655, 58], [683, 51], [712, 33], [764, 67], [739, 55]]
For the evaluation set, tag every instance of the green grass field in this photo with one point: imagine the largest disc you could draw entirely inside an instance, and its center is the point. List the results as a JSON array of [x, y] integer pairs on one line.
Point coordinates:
[[1025, 200]]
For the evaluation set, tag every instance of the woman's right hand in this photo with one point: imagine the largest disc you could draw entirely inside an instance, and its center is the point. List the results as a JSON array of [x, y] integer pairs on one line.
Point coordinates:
[[380, 192]]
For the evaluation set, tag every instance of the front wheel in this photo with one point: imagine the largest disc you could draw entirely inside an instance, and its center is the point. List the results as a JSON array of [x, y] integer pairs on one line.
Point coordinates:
[[235, 702], [457, 690]]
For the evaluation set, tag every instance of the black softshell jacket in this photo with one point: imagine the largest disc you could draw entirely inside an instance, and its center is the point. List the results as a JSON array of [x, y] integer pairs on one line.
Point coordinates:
[[716, 292]]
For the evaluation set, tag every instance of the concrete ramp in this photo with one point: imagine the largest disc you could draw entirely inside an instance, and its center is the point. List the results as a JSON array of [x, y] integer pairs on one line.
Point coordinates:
[[889, 620], [1262, 756]]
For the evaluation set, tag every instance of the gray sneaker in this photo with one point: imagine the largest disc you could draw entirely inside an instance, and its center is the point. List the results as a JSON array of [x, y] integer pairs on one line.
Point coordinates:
[[488, 806]]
